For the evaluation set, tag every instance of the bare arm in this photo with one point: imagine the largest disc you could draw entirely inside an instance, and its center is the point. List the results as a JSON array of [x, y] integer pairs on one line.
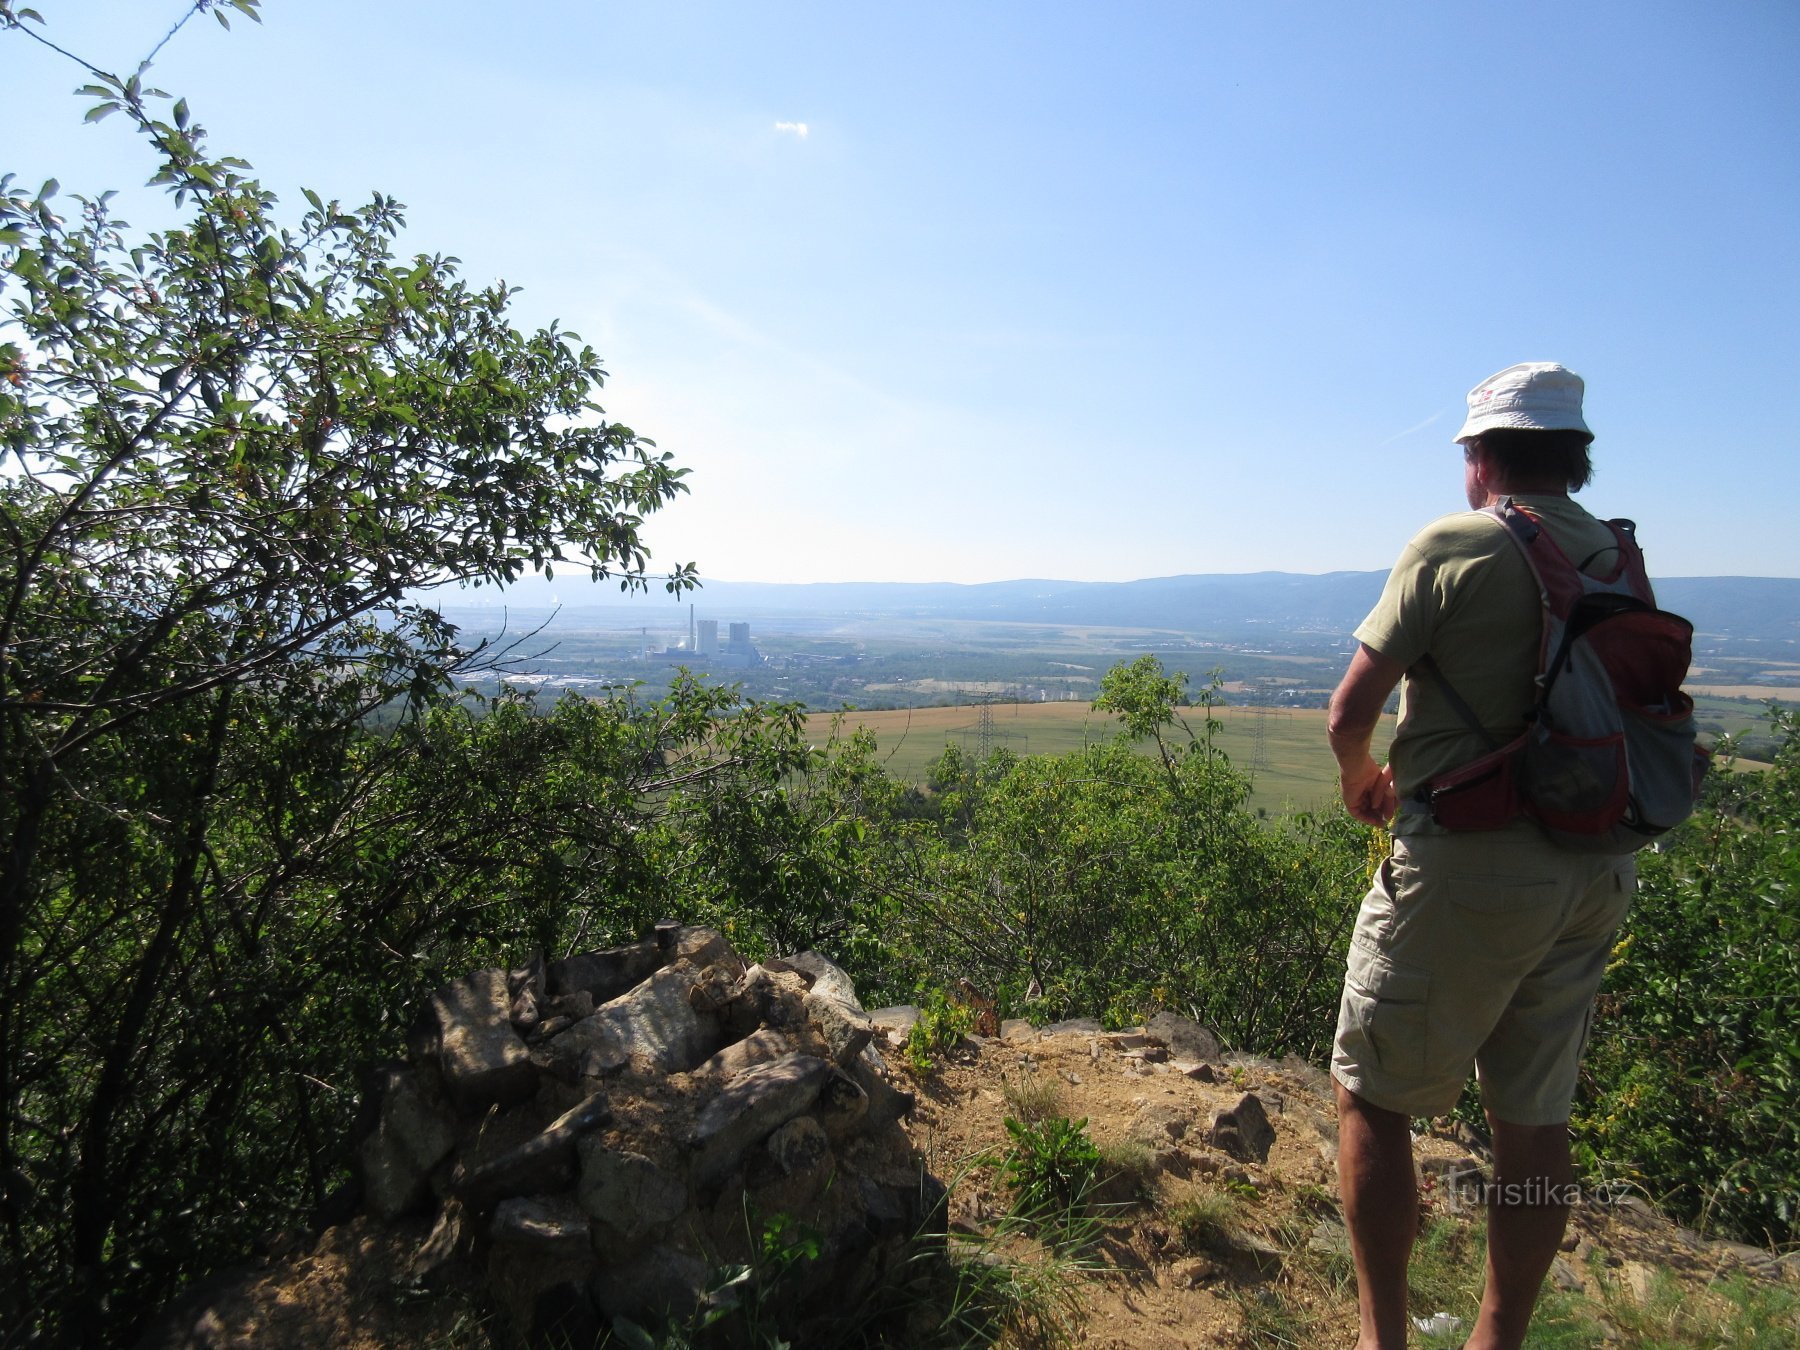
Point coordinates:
[[1368, 788]]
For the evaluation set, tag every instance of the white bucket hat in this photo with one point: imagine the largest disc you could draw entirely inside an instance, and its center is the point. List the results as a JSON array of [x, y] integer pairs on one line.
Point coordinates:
[[1531, 396]]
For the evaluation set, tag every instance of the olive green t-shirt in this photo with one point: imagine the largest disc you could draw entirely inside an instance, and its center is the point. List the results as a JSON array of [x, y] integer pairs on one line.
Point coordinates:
[[1463, 592]]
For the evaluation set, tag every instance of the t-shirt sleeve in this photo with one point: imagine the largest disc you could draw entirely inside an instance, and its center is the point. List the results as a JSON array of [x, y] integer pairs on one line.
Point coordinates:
[[1401, 625]]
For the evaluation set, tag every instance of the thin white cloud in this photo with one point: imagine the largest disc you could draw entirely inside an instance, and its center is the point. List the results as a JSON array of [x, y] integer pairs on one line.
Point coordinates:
[[1416, 427], [796, 129]]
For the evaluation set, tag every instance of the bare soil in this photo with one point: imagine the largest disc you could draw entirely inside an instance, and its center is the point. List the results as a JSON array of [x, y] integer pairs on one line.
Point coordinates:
[[1280, 1277]]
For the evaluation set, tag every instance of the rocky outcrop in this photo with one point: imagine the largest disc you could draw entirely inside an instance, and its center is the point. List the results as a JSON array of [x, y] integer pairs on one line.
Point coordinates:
[[606, 1134]]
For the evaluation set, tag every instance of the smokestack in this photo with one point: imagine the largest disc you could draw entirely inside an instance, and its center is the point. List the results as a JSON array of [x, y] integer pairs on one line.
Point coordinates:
[[690, 626]]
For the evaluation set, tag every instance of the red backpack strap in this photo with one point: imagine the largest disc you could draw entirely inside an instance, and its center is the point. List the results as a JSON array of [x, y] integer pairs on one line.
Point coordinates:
[[1631, 561]]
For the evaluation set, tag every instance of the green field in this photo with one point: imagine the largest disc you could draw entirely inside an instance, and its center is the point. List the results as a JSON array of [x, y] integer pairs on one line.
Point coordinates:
[[1295, 770]]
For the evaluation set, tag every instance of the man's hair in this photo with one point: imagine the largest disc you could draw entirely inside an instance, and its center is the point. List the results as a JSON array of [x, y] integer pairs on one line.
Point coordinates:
[[1526, 456]]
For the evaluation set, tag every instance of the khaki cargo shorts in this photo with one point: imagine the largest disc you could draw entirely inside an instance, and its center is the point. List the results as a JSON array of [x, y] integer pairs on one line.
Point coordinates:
[[1484, 950]]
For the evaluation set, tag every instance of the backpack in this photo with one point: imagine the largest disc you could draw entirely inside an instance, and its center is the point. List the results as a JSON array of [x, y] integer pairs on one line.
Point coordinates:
[[1608, 759]]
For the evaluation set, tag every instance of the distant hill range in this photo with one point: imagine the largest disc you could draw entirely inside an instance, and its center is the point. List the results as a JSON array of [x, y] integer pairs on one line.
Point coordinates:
[[1224, 605]]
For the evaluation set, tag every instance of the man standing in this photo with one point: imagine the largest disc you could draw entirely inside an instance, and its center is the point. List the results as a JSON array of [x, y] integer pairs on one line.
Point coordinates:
[[1483, 949]]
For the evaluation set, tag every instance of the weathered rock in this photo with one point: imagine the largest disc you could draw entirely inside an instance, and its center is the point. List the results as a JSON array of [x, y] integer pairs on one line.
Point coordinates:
[[654, 1021], [1566, 1277], [886, 1102], [543, 1163], [1185, 1038], [664, 1284], [538, 1267], [1244, 1131], [896, 1023], [716, 987], [759, 1047], [1640, 1279], [841, 1026], [483, 1060], [799, 1146], [1157, 1124], [1074, 1026], [449, 1239], [603, 975], [1195, 1271], [1200, 1073], [627, 1192], [750, 1108], [563, 1316], [764, 998], [843, 1105], [1456, 1174], [1017, 1029], [703, 947], [802, 1164], [526, 984], [414, 1133], [549, 1226], [823, 975]]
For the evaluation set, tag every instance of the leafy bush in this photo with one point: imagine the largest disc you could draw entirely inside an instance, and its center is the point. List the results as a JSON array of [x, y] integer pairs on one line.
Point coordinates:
[[1692, 1084], [1051, 1168], [943, 1022]]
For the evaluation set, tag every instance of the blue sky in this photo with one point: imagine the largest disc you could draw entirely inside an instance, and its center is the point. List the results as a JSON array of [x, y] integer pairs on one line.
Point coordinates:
[[1065, 290]]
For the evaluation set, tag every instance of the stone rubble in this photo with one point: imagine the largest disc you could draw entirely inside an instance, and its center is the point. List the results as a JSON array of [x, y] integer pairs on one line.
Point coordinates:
[[603, 1135]]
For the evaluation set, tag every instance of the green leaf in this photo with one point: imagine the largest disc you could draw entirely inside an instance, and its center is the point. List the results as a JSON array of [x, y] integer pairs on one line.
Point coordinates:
[[100, 111]]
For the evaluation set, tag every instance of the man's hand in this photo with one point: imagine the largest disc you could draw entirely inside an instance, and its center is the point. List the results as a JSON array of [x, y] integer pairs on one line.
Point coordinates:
[[1369, 793], [1355, 709]]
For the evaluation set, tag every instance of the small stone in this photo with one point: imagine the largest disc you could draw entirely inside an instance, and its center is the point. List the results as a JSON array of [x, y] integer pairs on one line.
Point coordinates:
[[1159, 1123], [1456, 1174], [1200, 1073], [1185, 1038], [1017, 1029], [1566, 1277], [1194, 1272], [1074, 1026], [897, 1020], [1244, 1130]]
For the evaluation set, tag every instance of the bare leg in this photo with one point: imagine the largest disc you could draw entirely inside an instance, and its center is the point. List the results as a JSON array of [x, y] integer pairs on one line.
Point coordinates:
[[1525, 1223], [1381, 1208]]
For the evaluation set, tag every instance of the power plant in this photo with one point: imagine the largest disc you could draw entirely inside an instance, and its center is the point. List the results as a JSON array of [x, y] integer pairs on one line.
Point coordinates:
[[702, 642]]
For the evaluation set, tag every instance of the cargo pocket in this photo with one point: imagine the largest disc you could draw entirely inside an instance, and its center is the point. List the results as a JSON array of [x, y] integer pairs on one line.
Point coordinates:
[[1388, 1005]]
